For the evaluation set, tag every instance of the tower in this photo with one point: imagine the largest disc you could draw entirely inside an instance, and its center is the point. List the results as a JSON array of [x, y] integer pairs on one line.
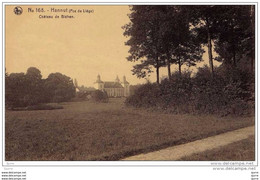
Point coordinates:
[[98, 78], [126, 87], [75, 83], [99, 84], [117, 80]]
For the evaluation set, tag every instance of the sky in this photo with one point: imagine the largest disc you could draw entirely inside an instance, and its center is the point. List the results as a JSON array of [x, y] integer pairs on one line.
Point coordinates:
[[80, 47]]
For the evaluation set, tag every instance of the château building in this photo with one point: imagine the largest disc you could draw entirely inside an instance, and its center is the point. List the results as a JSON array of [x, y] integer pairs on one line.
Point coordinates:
[[113, 88]]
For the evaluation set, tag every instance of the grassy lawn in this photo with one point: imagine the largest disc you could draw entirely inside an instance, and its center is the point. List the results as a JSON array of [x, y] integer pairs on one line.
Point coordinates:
[[105, 131], [243, 150]]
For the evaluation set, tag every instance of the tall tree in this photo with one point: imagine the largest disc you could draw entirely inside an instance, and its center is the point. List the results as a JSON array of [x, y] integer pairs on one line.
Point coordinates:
[[15, 90], [203, 19], [59, 87], [174, 32], [180, 43], [145, 39], [34, 93], [24, 89], [235, 38], [188, 53]]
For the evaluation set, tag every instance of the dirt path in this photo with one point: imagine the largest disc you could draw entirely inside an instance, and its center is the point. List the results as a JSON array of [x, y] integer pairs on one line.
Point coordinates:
[[177, 152]]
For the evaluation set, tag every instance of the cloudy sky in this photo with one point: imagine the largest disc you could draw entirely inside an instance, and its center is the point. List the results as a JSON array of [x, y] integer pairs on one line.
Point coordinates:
[[81, 47]]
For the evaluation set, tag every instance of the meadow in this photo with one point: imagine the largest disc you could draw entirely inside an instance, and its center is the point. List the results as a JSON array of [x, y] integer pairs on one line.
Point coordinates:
[[104, 131]]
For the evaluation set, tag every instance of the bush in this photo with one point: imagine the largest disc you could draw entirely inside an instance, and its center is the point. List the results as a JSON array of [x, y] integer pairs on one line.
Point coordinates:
[[99, 96], [176, 92], [229, 92], [57, 99], [170, 95], [146, 95]]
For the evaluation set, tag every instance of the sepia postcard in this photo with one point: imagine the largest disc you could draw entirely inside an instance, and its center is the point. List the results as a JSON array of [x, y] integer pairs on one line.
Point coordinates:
[[129, 84]]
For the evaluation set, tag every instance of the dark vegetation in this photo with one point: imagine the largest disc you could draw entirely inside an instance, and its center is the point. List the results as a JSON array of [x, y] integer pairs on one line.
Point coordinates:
[[99, 96], [31, 91], [231, 93], [90, 93], [160, 36], [93, 95]]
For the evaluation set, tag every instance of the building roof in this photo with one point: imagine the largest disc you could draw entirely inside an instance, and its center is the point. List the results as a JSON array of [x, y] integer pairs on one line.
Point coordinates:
[[111, 84]]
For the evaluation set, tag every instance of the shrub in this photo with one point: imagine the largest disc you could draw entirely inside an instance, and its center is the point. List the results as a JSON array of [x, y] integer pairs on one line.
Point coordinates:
[[224, 94], [176, 93], [99, 96], [229, 92], [146, 95], [170, 94]]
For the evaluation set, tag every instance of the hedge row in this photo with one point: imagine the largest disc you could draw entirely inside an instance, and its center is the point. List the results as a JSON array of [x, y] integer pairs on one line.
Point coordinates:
[[228, 92]]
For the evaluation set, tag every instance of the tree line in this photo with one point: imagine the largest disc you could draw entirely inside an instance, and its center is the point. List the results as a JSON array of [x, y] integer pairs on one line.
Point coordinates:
[[27, 89], [160, 36]]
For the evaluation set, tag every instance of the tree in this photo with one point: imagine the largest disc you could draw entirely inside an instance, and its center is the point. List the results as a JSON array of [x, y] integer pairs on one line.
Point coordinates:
[[145, 39], [203, 19], [34, 80], [175, 33], [160, 36], [180, 42], [59, 87], [24, 89], [230, 32], [15, 90], [235, 32], [34, 73], [188, 53]]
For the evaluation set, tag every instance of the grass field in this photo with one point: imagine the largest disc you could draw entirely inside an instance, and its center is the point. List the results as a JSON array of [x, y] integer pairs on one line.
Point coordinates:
[[105, 131], [243, 150]]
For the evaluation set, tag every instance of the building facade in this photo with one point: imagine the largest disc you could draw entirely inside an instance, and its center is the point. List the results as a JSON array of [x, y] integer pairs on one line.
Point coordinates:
[[113, 88]]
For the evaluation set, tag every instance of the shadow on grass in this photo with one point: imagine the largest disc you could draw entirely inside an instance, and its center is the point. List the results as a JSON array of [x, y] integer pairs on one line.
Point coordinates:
[[38, 107]]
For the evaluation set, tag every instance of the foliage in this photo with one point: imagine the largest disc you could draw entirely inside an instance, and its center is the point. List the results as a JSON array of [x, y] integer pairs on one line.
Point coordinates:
[[230, 92], [145, 39], [235, 34], [26, 90], [160, 36], [99, 96], [133, 88], [164, 35], [145, 96], [174, 35], [59, 87], [16, 90]]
